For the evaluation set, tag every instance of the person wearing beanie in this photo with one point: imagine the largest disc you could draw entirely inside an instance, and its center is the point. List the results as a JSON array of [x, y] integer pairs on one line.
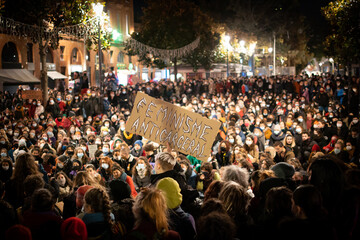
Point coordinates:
[[18, 232], [73, 228], [181, 222], [137, 150], [122, 204], [80, 193], [285, 171]]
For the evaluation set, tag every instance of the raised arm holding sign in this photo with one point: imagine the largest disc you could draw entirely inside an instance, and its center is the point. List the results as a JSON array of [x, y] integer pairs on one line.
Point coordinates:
[[163, 122]]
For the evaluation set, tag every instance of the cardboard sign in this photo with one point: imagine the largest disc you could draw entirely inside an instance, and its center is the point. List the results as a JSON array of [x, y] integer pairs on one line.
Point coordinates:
[[92, 150], [31, 94], [163, 122]]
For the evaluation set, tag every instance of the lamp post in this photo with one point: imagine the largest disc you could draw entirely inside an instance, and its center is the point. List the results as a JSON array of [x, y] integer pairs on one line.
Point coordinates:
[[270, 49], [332, 65], [227, 41], [98, 9], [274, 55]]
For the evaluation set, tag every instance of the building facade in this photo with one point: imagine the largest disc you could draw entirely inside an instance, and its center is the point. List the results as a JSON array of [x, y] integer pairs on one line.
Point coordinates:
[[72, 55]]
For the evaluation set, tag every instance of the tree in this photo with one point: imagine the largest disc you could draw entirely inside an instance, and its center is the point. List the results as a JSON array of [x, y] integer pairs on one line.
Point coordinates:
[[48, 15], [344, 40], [174, 24], [258, 20]]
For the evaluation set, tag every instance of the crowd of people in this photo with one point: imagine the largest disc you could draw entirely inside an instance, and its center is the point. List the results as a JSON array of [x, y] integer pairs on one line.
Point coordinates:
[[284, 164]]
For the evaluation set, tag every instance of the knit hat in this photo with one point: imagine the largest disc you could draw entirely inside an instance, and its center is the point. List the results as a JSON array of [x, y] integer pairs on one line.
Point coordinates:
[[80, 193], [18, 232], [73, 229], [139, 142], [171, 191], [283, 170], [119, 190]]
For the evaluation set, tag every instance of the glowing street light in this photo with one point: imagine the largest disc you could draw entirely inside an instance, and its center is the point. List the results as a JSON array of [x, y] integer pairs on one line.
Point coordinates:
[[270, 49], [242, 43]]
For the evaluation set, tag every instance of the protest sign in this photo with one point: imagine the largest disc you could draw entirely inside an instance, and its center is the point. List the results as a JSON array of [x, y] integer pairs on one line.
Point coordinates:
[[31, 94], [92, 150], [162, 122]]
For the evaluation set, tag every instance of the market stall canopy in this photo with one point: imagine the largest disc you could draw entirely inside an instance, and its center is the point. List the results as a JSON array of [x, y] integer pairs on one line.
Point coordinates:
[[55, 75], [17, 76]]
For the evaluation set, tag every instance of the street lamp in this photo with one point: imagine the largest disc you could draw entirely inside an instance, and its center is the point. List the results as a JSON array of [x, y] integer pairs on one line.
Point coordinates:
[[98, 9], [227, 41], [252, 48], [332, 65]]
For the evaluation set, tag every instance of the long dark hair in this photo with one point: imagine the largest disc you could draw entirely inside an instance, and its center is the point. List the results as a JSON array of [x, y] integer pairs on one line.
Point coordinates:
[[25, 165]]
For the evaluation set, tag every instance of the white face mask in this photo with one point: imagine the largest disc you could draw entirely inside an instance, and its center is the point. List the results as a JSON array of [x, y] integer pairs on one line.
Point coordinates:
[[348, 148], [248, 142], [6, 167], [140, 166], [339, 125], [61, 181], [231, 141], [276, 132], [105, 166], [336, 151]]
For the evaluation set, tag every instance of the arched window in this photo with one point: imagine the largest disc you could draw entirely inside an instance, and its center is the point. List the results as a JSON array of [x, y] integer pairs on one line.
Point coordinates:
[[9, 53], [74, 55], [120, 58]]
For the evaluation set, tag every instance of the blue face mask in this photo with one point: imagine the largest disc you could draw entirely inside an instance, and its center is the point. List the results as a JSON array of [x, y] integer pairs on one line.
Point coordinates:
[[3, 154], [80, 155]]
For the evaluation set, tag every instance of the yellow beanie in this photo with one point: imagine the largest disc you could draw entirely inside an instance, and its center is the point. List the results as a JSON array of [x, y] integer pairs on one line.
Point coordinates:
[[171, 190]]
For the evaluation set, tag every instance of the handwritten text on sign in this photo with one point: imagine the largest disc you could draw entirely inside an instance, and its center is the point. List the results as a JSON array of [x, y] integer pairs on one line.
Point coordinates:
[[162, 122]]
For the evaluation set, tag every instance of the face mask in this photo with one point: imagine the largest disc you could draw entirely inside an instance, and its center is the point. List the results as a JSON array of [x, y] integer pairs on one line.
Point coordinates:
[[236, 151], [107, 124], [2, 142], [106, 133], [34, 125], [339, 125], [105, 166], [60, 165], [3, 154], [257, 134], [336, 151], [76, 98], [106, 99], [231, 141], [70, 153], [45, 138], [300, 120], [16, 134], [237, 131], [52, 102], [98, 142], [72, 130], [355, 121], [262, 128], [248, 143], [83, 148], [276, 132], [140, 166], [93, 94], [6, 167], [80, 155], [348, 148], [105, 150], [39, 104], [223, 149], [61, 181]]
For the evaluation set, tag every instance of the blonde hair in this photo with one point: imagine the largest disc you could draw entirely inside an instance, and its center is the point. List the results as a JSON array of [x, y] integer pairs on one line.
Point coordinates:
[[150, 204]]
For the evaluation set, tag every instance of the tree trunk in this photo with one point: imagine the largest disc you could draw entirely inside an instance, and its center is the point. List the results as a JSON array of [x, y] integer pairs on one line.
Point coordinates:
[[43, 76], [175, 69]]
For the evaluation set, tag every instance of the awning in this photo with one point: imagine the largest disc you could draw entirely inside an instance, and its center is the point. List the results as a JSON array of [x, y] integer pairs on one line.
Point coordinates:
[[55, 75], [17, 76]]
